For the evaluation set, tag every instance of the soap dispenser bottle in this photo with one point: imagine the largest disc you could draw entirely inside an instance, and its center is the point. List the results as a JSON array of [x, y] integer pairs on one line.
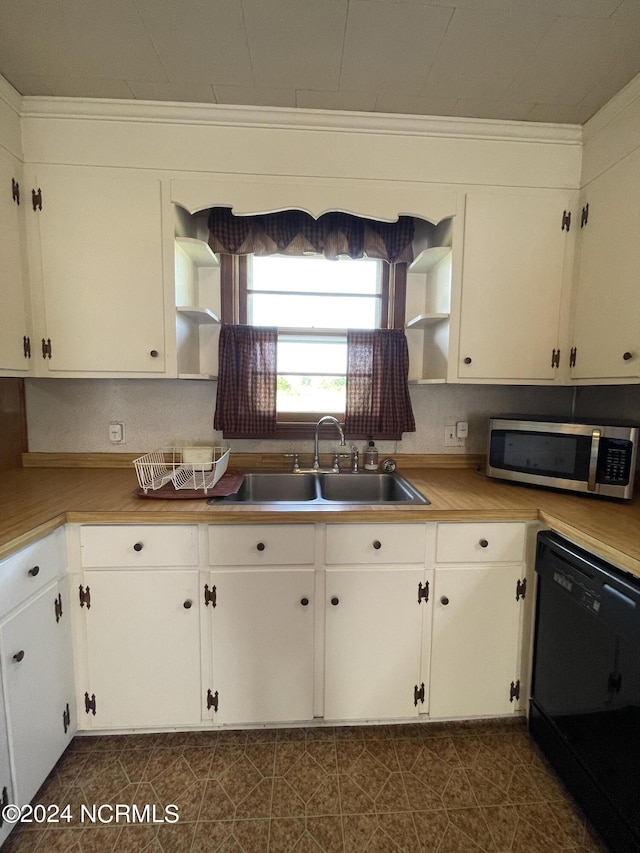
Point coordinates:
[[371, 457]]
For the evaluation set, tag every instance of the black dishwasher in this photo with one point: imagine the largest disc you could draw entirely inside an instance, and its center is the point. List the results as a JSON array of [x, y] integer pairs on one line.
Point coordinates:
[[585, 703]]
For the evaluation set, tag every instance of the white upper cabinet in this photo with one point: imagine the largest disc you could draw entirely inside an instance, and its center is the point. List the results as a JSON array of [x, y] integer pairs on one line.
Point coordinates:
[[96, 251], [515, 264], [14, 325], [605, 340]]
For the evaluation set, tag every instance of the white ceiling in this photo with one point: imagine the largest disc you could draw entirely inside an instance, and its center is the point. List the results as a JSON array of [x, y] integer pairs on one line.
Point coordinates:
[[532, 60]]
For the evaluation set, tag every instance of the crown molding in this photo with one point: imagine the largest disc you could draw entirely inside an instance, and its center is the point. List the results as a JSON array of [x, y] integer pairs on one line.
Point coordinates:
[[298, 119], [622, 100], [10, 96]]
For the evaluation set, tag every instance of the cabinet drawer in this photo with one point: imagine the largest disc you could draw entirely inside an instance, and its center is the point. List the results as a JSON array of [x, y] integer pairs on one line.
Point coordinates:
[[138, 545], [375, 543], [480, 543], [30, 570], [261, 544]]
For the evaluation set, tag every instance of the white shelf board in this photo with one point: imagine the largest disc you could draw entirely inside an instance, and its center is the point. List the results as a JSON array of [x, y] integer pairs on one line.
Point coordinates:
[[428, 258], [198, 251], [427, 381], [199, 315], [424, 320], [196, 376]]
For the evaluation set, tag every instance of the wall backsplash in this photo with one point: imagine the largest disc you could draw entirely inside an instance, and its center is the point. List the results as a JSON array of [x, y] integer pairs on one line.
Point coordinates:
[[73, 415]]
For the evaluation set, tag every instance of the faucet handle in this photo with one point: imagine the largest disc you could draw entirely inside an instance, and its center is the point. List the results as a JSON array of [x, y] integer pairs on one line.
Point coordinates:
[[335, 468], [296, 461]]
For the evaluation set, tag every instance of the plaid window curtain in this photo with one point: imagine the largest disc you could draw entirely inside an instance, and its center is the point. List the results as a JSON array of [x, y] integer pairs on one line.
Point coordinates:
[[378, 402], [246, 395], [293, 232]]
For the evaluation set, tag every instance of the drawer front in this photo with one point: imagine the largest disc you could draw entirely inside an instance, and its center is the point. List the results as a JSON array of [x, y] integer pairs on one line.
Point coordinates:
[[371, 544], [480, 543], [138, 545], [30, 570], [261, 545]]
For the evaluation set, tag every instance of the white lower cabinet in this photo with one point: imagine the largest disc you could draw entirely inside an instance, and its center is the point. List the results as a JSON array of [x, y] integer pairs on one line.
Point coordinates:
[[375, 621], [6, 785], [142, 644], [262, 626]]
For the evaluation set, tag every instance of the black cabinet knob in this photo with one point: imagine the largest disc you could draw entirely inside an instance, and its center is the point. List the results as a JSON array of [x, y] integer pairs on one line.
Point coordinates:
[[483, 543], [19, 656], [335, 600], [138, 546], [467, 360], [261, 546], [304, 601], [187, 604], [377, 545], [627, 356], [444, 600], [34, 571], [154, 353]]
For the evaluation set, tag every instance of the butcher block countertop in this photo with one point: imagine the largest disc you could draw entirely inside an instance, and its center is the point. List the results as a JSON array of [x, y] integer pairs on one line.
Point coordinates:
[[36, 500]]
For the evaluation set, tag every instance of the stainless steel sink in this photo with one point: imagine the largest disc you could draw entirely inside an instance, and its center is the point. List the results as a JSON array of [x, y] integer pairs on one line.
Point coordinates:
[[268, 487], [369, 488]]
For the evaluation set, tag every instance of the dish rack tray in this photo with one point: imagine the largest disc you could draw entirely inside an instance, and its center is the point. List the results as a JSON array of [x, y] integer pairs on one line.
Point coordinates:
[[160, 467]]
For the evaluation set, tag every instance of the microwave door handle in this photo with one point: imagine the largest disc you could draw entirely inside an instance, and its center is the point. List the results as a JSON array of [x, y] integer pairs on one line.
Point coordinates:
[[593, 459]]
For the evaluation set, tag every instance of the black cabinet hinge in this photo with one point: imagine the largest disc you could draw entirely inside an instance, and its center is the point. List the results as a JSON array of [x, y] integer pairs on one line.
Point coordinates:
[[85, 597], [555, 358], [57, 607], [15, 191], [566, 220], [210, 596], [46, 348], [521, 588], [212, 700], [66, 718], [90, 703], [26, 346], [572, 356], [418, 694], [3, 802], [614, 684], [584, 216], [514, 691], [423, 592], [36, 199]]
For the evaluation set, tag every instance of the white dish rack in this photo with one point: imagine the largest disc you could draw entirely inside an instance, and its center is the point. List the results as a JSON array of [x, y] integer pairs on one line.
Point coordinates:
[[160, 467]]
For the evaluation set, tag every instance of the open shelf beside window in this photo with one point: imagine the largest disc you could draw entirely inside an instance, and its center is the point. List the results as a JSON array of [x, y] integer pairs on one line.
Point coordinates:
[[197, 298], [428, 304]]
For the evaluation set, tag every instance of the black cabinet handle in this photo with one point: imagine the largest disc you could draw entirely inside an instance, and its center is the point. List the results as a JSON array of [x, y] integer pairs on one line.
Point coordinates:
[[304, 601], [138, 546], [377, 545], [187, 604], [154, 353], [335, 600], [467, 360], [19, 656], [627, 356], [483, 543], [444, 600], [261, 546], [34, 571]]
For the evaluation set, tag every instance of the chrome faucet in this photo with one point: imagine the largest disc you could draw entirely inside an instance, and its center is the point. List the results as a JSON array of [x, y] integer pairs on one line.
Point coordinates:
[[325, 419]]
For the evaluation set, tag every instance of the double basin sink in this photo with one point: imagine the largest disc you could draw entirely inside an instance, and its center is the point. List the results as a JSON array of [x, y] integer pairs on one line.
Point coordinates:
[[266, 487]]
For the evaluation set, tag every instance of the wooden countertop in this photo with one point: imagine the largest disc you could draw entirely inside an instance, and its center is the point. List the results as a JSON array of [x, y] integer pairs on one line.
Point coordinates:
[[34, 501]]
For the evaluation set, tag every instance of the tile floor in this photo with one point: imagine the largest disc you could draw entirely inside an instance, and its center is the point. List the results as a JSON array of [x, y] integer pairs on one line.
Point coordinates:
[[430, 788]]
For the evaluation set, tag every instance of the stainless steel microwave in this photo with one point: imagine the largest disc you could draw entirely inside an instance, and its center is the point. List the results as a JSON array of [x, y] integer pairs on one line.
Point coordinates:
[[591, 456]]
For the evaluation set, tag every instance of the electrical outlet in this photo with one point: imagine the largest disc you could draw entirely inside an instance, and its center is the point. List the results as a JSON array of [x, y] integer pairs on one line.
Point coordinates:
[[450, 437], [116, 432]]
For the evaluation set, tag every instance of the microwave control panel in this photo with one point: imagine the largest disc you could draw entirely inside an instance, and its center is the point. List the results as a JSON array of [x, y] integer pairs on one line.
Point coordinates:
[[614, 461]]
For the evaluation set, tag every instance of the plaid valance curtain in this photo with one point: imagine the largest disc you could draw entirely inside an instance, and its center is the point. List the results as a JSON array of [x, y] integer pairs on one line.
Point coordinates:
[[292, 232], [378, 402], [246, 395]]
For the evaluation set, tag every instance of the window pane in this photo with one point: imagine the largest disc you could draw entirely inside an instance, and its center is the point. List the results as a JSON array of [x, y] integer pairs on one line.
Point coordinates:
[[314, 274], [295, 356], [314, 312], [311, 393]]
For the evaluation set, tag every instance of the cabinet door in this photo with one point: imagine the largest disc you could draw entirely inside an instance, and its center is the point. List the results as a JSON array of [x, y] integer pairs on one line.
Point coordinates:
[[606, 321], [143, 648], [474, 653], [38, 671], [13, 313], [373, 643], [512, 280], [100, 253], [6, 787], [263, 645]]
